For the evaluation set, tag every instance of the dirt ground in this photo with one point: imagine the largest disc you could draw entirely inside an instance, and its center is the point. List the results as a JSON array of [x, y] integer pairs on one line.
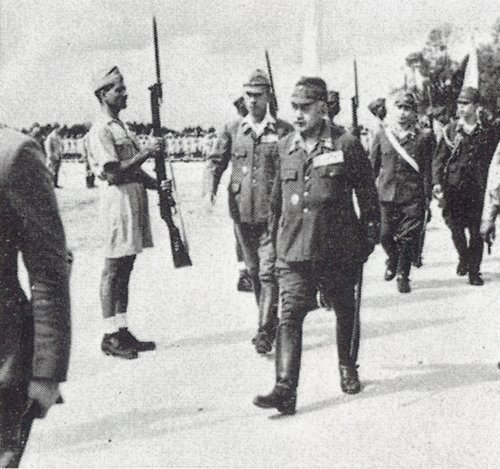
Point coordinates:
[[428, 361]]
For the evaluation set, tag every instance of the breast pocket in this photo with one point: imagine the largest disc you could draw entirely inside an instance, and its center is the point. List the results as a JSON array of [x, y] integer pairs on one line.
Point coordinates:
[[288, 175], [331, 171]]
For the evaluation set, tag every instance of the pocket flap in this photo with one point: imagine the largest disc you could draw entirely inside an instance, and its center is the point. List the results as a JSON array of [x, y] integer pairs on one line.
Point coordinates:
[[331, 170], [240, 153]]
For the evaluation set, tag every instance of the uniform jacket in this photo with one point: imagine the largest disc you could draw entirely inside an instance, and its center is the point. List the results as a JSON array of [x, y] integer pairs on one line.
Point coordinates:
[[492, 197], [461, 160], [34, 335], [254, 163], [312, 200], [397, 181]]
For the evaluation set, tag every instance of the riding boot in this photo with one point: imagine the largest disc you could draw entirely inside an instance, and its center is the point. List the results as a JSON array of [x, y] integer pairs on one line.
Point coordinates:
[[404, 266], [268, 319], [288, 354]]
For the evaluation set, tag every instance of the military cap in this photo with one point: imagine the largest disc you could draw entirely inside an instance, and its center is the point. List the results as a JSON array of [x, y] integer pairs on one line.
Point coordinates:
[[105, 77], [468, 95], [376, 106], [407, 100], [309, 90], [257, 81]]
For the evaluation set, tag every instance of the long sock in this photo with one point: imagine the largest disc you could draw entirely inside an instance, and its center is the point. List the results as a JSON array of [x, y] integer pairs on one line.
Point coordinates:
[[121, 320], [109, 325]]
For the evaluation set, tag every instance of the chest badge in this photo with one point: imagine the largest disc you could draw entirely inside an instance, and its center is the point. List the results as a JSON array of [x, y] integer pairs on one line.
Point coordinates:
[[244, 169], [295, 199]]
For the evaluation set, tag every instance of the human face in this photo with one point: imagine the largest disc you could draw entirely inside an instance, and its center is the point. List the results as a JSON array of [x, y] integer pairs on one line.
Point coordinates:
[[116, 97], [308, 117], [256, 103], [404, 115], [467, 111]]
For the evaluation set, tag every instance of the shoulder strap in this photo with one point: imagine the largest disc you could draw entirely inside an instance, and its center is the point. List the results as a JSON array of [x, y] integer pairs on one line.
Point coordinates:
[[400, 150]]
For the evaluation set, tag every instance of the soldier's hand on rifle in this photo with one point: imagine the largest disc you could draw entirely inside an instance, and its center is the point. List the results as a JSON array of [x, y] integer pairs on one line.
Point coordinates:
[[154, 146], [45, 393], [437, 192], [488, 231]]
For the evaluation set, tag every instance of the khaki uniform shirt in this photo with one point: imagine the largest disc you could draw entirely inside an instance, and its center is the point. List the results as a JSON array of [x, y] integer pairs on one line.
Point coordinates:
[[124, 207]]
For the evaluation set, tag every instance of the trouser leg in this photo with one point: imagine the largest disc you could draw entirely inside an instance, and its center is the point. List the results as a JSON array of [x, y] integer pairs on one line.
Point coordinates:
[[249, 241], [408, 233], [475, 250], [268, 301], [389, 221]]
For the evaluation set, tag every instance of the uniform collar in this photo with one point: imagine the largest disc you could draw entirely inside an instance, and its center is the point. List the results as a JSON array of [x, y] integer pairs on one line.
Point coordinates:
[[105, 118], [401, 134], [268, 123], [324, 141]]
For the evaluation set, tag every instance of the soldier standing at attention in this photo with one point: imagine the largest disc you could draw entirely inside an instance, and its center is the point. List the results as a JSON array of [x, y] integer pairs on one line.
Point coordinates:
[[321, 243], [35, 333], [116, 158], [250, 144], [401, 156], [460, 171], [54, 151]]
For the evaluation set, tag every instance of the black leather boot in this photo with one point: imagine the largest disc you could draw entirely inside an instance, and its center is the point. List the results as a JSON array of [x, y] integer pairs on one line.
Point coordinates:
[[390, 270], [268, 319], [349, 379], [244, 282], [288, 354], [403, 272]]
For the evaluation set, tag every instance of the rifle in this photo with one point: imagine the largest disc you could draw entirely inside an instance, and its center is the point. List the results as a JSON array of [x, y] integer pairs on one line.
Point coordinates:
[[274, 102], [358, 287], [355, 103], [178, 242]]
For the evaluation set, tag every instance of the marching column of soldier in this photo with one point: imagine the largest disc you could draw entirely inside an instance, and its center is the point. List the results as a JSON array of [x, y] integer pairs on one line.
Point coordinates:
[[291, 199]]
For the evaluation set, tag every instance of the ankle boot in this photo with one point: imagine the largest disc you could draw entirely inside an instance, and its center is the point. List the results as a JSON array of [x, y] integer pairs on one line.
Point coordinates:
[[268, 319], [288, 354], [349, 379], [403, 273]]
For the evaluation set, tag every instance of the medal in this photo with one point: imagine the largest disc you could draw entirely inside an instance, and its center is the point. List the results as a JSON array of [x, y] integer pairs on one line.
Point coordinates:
[[295, 199]]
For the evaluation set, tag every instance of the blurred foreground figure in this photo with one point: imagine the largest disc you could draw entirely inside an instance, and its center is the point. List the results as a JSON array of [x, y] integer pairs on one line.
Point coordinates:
[[35, 333], [320, 242], [250, 144], [116, 158], [460, 171]]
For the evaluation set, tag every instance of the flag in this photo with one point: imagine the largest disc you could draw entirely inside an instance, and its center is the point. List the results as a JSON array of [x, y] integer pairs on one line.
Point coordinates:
[[471, 77], [312, 38]]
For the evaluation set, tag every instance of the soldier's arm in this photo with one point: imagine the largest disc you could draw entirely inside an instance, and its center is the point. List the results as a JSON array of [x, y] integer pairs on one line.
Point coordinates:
[[275, 201], [217, 162], [362, 178], [43, 246], [376, 155], [429, 148]]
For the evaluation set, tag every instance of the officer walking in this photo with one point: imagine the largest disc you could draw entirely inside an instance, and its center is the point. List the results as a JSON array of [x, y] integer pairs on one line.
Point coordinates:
[[401, 156], [491, 207], [116, 158], [54, 151], [34, 334], [250, 144], [460, 171], [321, 243]]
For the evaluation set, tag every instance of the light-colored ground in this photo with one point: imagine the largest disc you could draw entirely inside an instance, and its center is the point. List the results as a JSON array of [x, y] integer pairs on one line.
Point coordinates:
[[428, 362]]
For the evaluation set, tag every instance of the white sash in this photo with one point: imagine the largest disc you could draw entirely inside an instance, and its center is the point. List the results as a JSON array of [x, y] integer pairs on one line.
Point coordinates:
[[401, 151]]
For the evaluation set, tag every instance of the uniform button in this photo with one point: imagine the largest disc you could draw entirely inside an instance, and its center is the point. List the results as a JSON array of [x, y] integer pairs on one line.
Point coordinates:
[[306, 194], [254, 181], [306, 178], [305, 210]]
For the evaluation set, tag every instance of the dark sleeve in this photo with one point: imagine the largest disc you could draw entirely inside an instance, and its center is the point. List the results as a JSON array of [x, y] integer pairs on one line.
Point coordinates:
[[148, 181], [217, 162], [428, 150], [43, 247], [376, 155], [363, 181], [441, 156]]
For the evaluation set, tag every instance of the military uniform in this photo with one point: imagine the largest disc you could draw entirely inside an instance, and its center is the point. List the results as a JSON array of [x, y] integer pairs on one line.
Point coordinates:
[[253, 155], [404, 193], [460, 167], [125, 219], [321, 242], [34, 334], [54, 151], [89, 174]]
